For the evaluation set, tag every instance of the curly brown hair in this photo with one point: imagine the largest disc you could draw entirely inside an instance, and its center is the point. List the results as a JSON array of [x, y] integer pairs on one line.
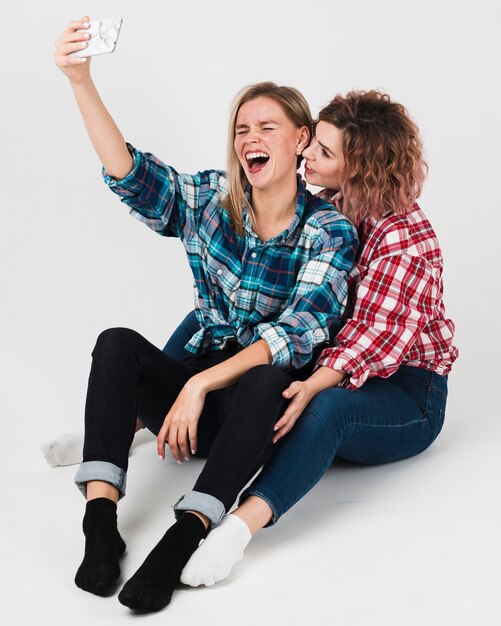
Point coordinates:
[[384, 166]]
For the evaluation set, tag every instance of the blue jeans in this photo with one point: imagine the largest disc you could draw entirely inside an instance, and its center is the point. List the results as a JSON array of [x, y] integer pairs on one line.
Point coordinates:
[[385, 420], [180, 337]]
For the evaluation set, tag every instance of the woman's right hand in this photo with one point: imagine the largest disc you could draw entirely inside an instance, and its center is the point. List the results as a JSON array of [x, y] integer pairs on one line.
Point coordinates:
[[104, 134], [301, 392], [75, 68]]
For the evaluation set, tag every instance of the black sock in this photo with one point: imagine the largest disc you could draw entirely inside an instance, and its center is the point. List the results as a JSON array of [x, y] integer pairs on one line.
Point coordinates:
[[151, 587], [103, 548]]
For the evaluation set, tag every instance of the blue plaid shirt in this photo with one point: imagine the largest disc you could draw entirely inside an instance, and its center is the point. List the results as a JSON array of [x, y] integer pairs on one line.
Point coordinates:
[[290, 290]]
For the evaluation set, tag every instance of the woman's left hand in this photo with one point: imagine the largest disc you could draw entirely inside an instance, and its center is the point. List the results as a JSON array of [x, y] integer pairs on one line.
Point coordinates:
[[180, 425], [300, 393]]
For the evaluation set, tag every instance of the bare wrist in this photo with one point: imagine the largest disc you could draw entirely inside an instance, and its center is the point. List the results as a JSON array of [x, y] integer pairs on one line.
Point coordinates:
[[82, 82], [198, 383], [312, 386], [325, 377]]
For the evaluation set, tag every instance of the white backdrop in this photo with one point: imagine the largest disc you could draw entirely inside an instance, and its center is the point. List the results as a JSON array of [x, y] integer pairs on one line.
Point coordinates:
[[73, 262]]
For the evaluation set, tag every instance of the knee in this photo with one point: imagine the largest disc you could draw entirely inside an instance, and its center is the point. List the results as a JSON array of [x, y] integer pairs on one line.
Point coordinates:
[[113, 341], [259, 398], [264, 377]]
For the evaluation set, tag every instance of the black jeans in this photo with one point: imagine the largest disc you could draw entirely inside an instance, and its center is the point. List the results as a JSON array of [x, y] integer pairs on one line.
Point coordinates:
[[132, 378]]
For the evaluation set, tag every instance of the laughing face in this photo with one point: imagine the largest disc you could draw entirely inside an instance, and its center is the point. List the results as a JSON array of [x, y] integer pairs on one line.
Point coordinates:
[[267, 143], [324, 162]]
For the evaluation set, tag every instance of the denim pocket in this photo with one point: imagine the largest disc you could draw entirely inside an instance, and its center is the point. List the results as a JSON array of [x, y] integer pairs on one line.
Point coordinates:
[[435, 405], [442, 392]]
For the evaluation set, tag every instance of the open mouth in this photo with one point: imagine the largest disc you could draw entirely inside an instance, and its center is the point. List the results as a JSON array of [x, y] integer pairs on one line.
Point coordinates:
[[256, 161]]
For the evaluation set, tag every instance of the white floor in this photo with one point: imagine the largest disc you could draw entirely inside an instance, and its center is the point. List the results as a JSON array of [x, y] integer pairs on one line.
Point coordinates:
[[412, 543]]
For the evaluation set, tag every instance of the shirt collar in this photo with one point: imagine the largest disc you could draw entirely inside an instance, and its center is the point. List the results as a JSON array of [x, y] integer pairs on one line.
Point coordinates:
[[284, 235]]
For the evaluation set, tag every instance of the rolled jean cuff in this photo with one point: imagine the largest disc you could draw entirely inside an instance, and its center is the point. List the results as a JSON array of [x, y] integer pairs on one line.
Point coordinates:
[[103, 471], [202, 503], [269, 497]]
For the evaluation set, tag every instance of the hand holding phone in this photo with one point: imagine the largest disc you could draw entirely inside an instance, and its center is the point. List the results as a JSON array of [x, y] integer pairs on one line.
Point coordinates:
[[103, 37]]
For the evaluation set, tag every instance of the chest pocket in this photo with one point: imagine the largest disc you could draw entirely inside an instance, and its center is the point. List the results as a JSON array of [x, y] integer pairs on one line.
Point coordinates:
[[224, 278]]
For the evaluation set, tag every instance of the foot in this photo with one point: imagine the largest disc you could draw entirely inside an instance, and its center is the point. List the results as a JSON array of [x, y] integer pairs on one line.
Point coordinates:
[[215, 558], [64, 450], [151, 587], [100, 569]]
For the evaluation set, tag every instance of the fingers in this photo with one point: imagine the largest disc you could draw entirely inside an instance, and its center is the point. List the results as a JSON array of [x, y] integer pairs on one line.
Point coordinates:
[[289, 414], [183, 441], [183, 444], [161, 440], [75, 24], [293, 411], [180, 426], [67, 62], [78, 24], [287, 421], [72, 36], [299, 399], [72, 40], [279, 434], [66, 49], [173, 443], [284, 425], [79, 42], [293, 389], [192, 434], [72, 32]]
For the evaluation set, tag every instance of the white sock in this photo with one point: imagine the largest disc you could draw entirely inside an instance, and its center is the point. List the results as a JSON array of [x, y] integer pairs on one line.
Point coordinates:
[[214, 559], [64, 450]]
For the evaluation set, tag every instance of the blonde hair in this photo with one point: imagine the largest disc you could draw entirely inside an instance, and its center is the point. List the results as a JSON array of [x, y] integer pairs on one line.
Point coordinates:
[[297, 111]]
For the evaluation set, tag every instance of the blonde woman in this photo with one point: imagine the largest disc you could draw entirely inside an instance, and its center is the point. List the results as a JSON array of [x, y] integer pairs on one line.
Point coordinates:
[[270, 263], [379, 392]]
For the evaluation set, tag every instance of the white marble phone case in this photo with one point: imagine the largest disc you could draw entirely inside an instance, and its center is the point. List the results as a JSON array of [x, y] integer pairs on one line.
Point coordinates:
[[103, 37]]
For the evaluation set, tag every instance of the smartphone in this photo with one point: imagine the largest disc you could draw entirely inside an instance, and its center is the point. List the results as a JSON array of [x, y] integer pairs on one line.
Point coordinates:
[[103, 37]]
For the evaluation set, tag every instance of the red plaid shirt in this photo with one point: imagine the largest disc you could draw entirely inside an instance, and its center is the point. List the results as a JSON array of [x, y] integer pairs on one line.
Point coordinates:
[[395, 313]]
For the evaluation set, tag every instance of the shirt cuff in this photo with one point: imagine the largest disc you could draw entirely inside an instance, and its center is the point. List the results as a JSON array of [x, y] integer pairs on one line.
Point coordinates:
[[278, 342], [348, 361], [128, 185]]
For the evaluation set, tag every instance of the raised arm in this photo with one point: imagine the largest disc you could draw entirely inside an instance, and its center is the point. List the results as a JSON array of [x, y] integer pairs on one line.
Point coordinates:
[[104, 134]]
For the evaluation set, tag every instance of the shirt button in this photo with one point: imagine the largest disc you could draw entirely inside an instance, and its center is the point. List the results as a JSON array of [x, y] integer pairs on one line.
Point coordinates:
[[219, 272], [253, 255]]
